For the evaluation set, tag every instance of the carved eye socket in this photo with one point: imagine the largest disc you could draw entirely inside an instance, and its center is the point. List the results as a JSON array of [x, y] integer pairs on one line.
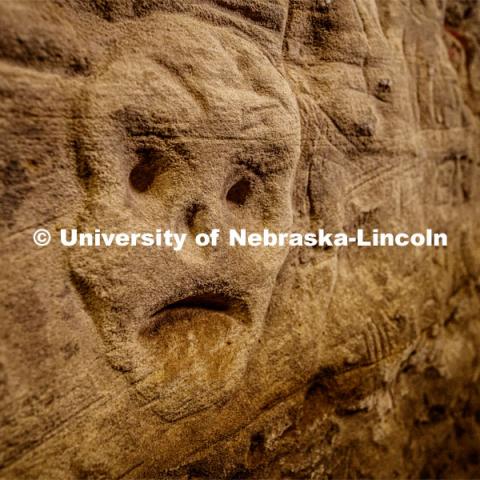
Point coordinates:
[[143, 174], [239, 192]]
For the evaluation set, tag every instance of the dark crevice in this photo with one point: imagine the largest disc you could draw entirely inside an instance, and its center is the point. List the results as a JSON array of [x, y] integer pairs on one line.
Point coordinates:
[[239, 192]]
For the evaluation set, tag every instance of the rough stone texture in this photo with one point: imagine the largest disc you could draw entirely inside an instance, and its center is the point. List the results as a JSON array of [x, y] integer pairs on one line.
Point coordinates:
[[339, 363]]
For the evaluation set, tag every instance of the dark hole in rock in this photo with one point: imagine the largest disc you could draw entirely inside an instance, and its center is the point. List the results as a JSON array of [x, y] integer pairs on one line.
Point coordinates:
[[239, 193], [143, 174]]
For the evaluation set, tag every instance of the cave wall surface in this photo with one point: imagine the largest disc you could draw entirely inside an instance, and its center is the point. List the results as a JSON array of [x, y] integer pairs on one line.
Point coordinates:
[[293, 115]]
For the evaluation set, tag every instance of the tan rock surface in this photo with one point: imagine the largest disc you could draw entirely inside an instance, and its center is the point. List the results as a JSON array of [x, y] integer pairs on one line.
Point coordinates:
[[131, 115]]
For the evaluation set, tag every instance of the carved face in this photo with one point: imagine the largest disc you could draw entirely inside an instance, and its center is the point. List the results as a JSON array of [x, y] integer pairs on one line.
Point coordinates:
[[206, 139]]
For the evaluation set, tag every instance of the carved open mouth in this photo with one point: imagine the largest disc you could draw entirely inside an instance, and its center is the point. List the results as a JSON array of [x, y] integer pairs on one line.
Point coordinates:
[[209, 306]]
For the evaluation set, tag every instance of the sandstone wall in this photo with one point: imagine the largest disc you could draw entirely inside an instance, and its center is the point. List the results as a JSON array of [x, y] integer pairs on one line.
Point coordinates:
[[331, 363]]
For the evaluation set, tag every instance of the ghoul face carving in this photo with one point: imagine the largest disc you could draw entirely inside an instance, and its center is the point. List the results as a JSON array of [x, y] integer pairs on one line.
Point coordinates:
[[206, 139]]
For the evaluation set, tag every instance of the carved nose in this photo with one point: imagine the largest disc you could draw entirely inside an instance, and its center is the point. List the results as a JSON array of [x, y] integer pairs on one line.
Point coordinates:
[[197, 218]]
